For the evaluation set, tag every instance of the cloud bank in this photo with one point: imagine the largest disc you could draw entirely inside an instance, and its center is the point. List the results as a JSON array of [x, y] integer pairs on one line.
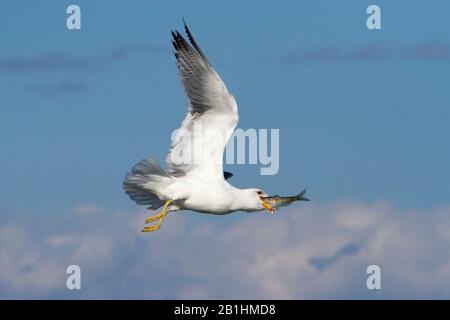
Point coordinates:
[[56, 89], [58, 61], [70, 65], [303, 252]]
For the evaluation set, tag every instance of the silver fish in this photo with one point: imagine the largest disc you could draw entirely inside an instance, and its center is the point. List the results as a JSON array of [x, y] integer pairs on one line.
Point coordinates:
[[276, 201]]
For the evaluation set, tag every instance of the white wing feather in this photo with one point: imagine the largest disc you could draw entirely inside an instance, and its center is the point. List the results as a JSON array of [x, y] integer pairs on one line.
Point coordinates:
[[198, 146]]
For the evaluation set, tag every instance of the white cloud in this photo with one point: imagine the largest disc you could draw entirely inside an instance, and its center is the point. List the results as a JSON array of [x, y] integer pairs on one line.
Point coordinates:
[[306, 251], [87, 209]]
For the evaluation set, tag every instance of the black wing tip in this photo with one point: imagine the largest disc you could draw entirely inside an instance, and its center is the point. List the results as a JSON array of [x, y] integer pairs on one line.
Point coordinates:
[[178, 41], [186, 29], [227, 175], [193, 42]]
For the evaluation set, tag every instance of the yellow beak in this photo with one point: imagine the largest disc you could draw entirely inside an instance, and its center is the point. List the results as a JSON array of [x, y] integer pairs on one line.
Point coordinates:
[[266, 205]]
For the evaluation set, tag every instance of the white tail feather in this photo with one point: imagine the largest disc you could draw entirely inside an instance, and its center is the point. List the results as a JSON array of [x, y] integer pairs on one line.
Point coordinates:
[[142, 183]]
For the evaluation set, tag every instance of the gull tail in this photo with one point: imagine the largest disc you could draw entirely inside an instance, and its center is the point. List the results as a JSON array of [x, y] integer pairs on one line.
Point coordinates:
[[144, 183], [301, 197]]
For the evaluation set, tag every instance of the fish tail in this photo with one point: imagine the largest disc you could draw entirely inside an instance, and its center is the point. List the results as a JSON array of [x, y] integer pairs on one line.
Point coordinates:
[[301, 197]]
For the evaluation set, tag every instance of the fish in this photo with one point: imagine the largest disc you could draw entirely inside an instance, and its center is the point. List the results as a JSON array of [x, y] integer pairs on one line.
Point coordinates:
[[277, 201]]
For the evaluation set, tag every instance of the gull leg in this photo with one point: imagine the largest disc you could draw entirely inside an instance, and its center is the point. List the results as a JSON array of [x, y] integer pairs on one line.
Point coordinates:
[[159, 216], [153, 218]]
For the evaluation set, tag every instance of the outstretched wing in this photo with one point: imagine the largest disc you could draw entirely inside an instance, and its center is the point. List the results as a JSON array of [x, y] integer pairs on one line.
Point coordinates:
[[198, 146]]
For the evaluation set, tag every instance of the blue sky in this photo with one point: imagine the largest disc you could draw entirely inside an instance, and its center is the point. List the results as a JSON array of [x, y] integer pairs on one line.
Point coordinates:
[[363, 115]]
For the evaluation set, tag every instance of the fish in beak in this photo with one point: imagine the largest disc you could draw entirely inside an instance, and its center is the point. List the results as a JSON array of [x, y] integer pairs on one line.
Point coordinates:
[[275, 202], [266, 205]]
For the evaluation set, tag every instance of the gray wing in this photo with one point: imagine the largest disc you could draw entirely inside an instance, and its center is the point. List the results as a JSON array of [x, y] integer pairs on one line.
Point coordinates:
[[210, 106]]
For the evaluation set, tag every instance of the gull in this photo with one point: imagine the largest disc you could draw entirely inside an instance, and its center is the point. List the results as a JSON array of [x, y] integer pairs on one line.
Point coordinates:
[[199, 184]]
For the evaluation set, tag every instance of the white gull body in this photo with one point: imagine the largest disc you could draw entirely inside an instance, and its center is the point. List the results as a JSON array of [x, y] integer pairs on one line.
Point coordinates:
[[194, 178]]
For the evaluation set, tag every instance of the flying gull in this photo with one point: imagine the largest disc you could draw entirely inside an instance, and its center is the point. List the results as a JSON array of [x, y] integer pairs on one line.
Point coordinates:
[[199, 184]]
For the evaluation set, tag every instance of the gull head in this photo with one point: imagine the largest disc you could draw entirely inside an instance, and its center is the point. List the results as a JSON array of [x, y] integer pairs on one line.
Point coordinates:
[[255, 200]]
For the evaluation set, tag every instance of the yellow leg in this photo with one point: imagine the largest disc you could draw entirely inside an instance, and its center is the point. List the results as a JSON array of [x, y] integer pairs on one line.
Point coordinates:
[[160, 216], [153, 218]]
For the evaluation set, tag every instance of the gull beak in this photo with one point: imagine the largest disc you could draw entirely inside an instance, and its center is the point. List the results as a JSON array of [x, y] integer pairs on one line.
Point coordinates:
[[266, 205]]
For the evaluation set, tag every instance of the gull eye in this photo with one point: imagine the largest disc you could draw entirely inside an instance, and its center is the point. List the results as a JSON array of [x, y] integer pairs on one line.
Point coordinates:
[[260, 193]]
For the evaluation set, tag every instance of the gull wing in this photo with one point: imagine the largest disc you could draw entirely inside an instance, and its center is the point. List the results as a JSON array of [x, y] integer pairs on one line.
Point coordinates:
[[198, 145]]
